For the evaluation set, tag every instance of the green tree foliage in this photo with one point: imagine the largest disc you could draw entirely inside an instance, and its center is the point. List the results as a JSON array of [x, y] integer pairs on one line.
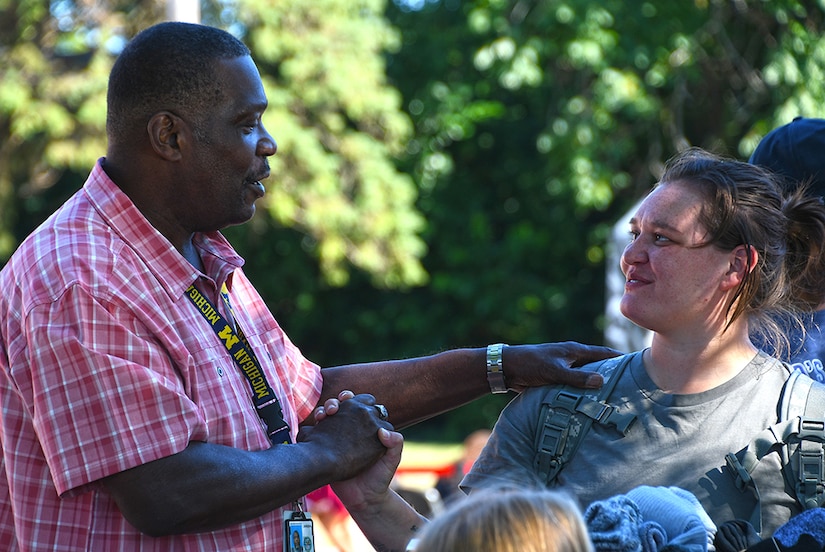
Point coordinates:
[[338, 125], [46, 103], [539, 123], [448, 170], [338, 122]]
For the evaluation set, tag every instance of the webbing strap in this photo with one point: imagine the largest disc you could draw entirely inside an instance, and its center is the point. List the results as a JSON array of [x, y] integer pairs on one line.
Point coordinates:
[[561, 430], [805, 398], [805, 465], [794, 398], [605, 414], [552, 442], [744, 482], [810, 489], [741, 465]]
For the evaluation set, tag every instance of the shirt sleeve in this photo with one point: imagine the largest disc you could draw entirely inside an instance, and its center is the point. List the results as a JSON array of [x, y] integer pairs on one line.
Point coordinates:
[[103, 393]]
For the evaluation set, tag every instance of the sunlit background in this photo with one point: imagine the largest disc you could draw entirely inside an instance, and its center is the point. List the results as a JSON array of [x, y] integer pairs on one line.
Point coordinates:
[[449, 173]]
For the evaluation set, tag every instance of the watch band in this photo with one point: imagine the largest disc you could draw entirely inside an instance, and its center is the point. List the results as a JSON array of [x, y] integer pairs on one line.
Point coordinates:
[[495, 368]]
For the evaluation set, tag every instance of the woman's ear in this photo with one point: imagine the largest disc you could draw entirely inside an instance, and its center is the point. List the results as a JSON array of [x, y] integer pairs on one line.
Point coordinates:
[[167, 134], [743, 260]]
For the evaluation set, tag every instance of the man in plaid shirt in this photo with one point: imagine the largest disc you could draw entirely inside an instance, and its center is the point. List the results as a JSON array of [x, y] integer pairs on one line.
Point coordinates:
[[126, 422]]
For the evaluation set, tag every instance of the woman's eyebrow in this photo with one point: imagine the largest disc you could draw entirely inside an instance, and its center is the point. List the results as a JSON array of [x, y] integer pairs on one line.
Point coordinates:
[[656, 224]]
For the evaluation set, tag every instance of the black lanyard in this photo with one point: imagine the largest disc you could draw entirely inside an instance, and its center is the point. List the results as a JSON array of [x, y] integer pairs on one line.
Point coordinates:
[[265, 400]]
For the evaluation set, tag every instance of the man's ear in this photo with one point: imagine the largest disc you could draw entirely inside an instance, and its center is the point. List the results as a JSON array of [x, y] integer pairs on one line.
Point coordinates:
[[743, 260], [167, 133]]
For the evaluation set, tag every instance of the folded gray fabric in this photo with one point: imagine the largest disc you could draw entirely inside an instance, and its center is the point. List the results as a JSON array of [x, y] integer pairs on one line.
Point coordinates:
[[680, 514], [614, 525], [650, 519], [652, 536]]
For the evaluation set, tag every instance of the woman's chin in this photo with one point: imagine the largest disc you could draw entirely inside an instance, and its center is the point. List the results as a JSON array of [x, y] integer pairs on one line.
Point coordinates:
[[636, 317]]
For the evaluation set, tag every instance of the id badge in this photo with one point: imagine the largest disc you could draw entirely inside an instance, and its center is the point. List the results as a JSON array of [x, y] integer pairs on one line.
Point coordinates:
[[298, 535]]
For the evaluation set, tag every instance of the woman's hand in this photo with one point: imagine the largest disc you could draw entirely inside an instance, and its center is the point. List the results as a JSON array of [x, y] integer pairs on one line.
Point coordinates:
[[370, 489]]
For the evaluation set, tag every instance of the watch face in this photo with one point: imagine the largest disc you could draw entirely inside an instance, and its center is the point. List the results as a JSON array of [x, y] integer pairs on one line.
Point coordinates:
[[495, 368]]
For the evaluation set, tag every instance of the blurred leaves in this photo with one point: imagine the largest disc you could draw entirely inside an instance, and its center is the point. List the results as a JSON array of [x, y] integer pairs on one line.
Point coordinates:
[[338, 125]]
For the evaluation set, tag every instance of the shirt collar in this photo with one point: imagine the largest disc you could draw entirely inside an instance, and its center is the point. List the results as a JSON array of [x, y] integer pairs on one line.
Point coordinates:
[[171, 269]]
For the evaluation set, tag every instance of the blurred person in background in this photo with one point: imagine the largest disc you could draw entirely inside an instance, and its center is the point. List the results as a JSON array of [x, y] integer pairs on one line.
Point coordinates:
[[796, 152], [447, 486]]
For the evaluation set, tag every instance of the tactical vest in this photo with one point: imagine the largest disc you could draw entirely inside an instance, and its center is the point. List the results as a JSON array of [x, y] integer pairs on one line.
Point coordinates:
[[567, 413]]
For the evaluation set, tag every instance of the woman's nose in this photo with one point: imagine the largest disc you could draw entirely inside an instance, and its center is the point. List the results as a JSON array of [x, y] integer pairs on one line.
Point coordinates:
[[634, 252]]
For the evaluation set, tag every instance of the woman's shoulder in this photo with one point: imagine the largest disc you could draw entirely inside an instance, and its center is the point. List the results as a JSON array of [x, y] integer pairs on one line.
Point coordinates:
[[533, 397], [763, 364], [609, 365]]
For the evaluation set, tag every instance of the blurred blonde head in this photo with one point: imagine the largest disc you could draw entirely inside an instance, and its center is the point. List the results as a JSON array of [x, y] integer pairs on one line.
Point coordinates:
[[508, 520]]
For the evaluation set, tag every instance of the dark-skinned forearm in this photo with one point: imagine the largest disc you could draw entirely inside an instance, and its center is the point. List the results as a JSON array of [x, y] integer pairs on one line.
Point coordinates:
[[207, 487], [415, 389]]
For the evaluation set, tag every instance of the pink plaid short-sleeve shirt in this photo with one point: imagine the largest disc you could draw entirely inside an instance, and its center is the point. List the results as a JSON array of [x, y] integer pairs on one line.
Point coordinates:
[[106, 365]]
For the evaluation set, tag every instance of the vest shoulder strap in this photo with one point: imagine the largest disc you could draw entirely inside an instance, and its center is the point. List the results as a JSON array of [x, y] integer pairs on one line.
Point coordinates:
[[804, 404], [568, 412], [799, 436]]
